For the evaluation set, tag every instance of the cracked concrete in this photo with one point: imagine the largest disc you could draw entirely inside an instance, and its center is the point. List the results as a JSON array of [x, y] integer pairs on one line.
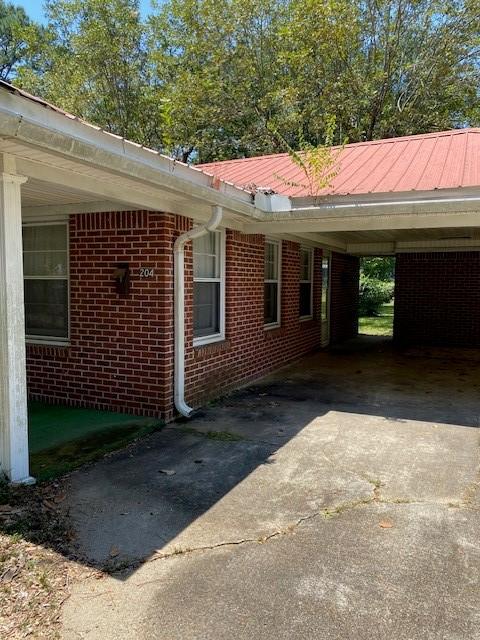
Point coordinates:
[[344, 512]]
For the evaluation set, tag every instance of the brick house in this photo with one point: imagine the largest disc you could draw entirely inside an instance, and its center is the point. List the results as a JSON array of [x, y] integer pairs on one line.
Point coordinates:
[[132, 282]]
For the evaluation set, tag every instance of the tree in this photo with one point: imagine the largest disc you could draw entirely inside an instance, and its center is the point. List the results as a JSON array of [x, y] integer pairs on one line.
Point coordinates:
[[96, 66], [233, 70], [376, 284], [317, 163], [381, 268], [20, 40], [373, 294], [218, 63], [391, 67], [210, 80]]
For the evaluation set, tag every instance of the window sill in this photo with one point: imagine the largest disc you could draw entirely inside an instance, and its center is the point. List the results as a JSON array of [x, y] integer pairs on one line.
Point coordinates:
[[269, 327], [200, 342], [47, 343], [305, 318]]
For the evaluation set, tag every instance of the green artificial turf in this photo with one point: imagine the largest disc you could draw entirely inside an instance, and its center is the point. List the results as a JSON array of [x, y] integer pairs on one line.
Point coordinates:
[[64, 438]]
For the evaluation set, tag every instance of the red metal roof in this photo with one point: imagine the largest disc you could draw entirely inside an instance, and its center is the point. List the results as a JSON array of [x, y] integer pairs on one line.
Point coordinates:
[[444, 160]]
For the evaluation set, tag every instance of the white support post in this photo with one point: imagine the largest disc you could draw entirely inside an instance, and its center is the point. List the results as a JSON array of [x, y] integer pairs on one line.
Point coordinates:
[[13, 386]]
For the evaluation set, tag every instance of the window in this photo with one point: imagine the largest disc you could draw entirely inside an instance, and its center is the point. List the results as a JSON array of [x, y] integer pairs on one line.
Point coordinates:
[[306, 289], [271, 314], [209, 288], [45, 271]]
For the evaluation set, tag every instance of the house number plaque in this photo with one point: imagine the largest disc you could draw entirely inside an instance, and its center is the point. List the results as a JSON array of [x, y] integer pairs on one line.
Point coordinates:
[[146, 272]]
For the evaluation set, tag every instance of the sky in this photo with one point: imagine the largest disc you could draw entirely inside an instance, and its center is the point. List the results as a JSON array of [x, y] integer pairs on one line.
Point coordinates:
[[34, 8]]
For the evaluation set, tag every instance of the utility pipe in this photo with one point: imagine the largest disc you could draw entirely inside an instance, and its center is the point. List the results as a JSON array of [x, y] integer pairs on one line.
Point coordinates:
[[179, 305]]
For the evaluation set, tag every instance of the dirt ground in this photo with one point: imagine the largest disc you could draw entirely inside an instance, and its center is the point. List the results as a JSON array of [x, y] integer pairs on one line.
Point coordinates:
[[37, 561]]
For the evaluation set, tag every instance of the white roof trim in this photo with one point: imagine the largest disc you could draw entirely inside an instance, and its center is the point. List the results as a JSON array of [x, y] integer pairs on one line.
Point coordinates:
[[36, 124]]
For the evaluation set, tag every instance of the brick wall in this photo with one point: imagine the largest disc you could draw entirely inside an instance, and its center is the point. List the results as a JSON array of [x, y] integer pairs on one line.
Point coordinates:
[[249, 350], [344, 297], [437, 299], [120, 353]]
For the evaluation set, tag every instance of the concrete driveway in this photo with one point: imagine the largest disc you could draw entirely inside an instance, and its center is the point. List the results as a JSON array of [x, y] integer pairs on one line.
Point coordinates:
[[337, 499]]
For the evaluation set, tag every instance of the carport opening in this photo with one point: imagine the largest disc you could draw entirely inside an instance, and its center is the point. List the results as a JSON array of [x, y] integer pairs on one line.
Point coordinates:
[[377, 283]]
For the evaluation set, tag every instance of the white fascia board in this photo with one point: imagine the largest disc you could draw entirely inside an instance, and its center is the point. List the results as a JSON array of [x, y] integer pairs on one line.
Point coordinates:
[[368, 223], [460, 200], [313, 240], [301, 202], [36, 125]]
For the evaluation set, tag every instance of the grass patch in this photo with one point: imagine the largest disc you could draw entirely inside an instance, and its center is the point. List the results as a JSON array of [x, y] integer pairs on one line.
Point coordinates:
[[223, 436], [381, 325], [67, 456], [52, 425]]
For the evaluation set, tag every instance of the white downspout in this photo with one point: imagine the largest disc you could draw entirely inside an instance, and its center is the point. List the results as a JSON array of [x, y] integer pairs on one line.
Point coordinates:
[[179, 305]]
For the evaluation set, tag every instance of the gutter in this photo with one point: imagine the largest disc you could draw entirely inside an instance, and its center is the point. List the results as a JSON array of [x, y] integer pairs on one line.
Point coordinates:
[[179, 306], [32, 124]]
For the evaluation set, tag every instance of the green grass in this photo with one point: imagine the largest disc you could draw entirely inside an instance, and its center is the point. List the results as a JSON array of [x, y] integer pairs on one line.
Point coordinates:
[[224, 436], [381, 325], [64, 438]]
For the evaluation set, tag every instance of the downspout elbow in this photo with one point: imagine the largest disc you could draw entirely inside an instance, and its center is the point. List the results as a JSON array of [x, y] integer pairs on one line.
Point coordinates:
[[179, 306]]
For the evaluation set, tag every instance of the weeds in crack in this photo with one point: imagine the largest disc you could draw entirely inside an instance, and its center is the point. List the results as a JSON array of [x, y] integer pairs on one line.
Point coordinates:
[[346, 506], [376, 488]]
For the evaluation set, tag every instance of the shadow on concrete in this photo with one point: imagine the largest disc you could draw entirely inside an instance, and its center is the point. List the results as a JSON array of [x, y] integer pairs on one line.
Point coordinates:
[[150, 497]]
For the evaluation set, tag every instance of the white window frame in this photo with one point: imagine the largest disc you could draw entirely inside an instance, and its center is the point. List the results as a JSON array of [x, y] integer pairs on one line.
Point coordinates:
[[52, 340], [278, 282], [310, 251], [220, 336], [325, 321]]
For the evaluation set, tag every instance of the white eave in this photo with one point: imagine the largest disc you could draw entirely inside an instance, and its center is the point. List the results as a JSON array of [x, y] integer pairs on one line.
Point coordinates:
[[37, 126]]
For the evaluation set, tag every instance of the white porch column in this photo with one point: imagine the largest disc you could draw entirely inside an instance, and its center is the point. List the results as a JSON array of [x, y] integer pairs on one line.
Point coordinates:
[[13, 386]]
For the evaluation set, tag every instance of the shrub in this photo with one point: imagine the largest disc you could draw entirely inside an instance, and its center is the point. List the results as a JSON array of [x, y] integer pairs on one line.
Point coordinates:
[[380, 268], [373, 293]]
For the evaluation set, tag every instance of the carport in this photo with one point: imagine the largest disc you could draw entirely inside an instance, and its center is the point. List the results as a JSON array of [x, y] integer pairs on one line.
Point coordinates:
[[416, 198]]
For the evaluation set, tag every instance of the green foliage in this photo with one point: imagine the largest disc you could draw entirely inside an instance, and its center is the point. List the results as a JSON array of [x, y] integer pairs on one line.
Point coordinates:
[[210, 79], [20, 40], [97, 66], [381, 268], [390, 67], [373, 294], [317, 163], [218, 64]]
